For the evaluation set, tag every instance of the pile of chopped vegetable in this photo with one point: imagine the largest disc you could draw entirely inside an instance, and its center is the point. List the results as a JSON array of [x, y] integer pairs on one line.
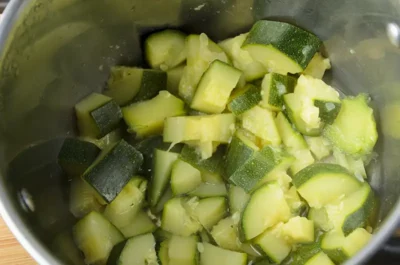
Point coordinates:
[[222, 154]]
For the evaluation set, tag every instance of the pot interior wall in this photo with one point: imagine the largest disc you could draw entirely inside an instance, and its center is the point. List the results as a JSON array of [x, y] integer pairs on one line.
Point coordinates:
[[59, 51]]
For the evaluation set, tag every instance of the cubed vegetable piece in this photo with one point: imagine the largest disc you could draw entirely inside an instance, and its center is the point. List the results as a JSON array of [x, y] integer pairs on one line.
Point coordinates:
[[139, 250], [258, 215], [95, 236], [321, 184], [281, 47], [176, 220], [112, 170], [123, 209], [299, 230], [184, 177], [76, 156], [273, 244], [146, 118], [141, 224], [210, 128], [261, 122], [163, 163], [201, 52], [354, 130], [130, 84], [215, 87], [165, 49], [245, 100], [97, 115], [274, 86], [211, 255], [317, 66], [82, 198], [242, 59], [182, 250]]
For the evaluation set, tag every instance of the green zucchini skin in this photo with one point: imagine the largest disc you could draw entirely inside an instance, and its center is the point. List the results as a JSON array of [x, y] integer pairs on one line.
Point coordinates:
[[245, 101], [328, 111], [113, 169], [153, 81], [107, 117], [76, 156], [294, 42]]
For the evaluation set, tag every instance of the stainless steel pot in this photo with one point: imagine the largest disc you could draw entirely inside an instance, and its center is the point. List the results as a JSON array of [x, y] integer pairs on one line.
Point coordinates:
[[54, 52]]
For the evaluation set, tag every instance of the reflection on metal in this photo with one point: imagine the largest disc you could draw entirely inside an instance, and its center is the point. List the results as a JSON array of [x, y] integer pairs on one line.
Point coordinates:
[[393, 32]]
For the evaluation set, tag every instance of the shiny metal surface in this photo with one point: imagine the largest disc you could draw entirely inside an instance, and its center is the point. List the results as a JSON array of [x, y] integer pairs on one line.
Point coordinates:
[[55, 52]]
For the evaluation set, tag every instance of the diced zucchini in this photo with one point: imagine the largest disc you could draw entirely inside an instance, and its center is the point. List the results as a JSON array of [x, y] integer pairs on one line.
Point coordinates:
[[212, 165], [317, 66], [304, 252], [294, 201], [76, 156], [354, 130], [182, 250], [167, 195], [226, 235], [254, 171], [163, 253], [242, 59], [354, 211], [165, 49], [320, 184], [319, 146], [340, 248], [97, 115], [273, 244], [201, 52], [65, 248], [354, 165], [280, 176], [139, 250], [215, 87], [315, 89], [328, 111], [146, 146], [295, 144], [258, 215], [82, 199], [95, 236], [147, 117], [123, 209], [205, 149], [131, 84], [211, 255], [281, 47], [176, 219], [274, 86], [240, 150], [303, 158], [291, 138], [320, 259], [320, 218], [210, 128], [110, 139], [163, 163], [212, 178], [261, 122], [184, 177], [205, 190], [299, 230], [311, 126], [141, 224], [173, 78], [238, 199], [112, 170], [210, 211], [246, 100]]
